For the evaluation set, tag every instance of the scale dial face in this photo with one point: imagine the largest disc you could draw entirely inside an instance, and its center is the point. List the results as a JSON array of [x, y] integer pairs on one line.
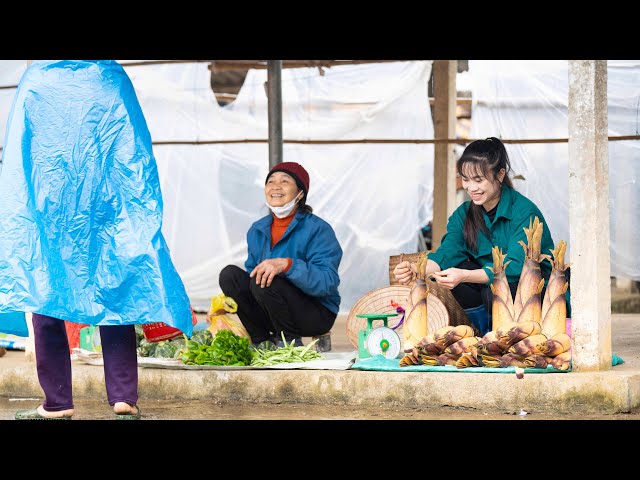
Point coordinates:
[[383, 341]]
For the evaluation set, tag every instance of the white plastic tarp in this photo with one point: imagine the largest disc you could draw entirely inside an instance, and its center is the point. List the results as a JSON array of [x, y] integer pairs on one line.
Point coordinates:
[[524, 99], [376, 196]]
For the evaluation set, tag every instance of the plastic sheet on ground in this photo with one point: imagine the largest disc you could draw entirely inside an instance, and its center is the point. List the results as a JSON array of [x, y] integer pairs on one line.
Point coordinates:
[[381, 363], [331, 361]]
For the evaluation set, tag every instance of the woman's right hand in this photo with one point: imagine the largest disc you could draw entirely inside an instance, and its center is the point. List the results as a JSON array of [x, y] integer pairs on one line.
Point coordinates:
[[403, 272]]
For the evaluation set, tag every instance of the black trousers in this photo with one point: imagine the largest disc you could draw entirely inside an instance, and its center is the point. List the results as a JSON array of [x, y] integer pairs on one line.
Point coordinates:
[[470, 295], [281, 307]]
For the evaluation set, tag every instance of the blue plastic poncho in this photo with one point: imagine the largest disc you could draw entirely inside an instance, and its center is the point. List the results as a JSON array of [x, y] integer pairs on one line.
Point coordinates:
[[80, 204]]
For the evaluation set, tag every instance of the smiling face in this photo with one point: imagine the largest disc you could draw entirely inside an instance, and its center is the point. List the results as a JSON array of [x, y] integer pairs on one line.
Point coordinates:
[[280, 189], [482, 190]]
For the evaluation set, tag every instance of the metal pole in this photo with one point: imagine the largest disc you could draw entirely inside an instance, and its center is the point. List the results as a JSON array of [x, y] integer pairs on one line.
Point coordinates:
[[274, 97]]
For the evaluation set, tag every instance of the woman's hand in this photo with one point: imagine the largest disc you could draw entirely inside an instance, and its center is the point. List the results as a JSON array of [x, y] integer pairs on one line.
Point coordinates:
[[404, 272], [266, 270], [450, 278]]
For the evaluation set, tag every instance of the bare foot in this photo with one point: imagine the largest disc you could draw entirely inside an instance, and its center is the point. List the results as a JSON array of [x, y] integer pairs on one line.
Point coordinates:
[[123, 408], [59, 414]]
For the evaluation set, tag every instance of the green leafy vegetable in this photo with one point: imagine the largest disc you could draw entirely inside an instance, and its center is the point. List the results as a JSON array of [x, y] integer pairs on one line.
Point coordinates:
[[226, 348]]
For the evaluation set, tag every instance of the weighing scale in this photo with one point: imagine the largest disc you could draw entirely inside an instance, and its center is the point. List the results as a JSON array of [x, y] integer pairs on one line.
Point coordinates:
[[380, 340]]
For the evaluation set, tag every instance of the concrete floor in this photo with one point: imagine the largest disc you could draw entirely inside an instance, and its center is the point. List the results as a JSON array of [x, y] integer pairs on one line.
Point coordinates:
[[353, 394]]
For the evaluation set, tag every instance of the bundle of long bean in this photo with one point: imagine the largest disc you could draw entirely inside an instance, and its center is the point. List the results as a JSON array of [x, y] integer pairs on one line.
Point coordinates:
[[287, 354]]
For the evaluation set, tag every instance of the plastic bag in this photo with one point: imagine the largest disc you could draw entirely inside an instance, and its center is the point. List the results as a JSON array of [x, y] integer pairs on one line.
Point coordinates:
[[221, 304], [221, 316], [228, 322]]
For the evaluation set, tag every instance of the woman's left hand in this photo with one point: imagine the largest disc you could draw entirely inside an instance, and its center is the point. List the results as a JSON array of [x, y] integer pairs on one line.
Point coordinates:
[[266, 270], [449, 278]]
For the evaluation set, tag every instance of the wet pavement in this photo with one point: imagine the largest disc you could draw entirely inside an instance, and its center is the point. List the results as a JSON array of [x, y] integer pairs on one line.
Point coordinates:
[[202, 410]]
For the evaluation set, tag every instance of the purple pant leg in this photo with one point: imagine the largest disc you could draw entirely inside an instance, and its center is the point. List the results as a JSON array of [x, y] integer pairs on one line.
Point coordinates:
[[53, 362], [120, 363]]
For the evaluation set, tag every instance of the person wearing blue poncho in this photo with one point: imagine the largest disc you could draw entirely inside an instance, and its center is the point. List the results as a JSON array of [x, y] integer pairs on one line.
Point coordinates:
[[80, 227]]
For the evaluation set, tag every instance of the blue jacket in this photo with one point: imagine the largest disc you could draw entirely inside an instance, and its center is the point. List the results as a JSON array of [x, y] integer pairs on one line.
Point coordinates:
[[312, 245]]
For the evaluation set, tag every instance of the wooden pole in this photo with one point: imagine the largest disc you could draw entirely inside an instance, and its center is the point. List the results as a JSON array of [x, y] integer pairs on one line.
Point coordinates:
[[444, 164]]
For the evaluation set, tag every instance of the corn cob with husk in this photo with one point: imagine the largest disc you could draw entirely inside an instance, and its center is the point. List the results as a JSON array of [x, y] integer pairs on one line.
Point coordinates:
[[502, 305], [416, 324], [527, 304], [554, 306]]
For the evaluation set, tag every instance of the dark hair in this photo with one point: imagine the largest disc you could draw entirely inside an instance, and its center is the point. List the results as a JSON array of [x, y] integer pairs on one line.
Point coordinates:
[[488, 156], [302, 205]]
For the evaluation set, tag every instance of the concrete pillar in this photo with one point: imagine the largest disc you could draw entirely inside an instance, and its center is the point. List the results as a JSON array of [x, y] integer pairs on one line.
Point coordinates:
[[589, 215], [444, 165]]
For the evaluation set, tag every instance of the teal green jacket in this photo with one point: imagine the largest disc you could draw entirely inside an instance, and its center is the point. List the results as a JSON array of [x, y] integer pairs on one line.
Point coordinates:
[[514, 213]]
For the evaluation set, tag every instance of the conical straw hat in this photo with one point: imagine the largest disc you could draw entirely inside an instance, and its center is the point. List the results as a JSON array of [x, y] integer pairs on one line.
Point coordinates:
[[379, 301]]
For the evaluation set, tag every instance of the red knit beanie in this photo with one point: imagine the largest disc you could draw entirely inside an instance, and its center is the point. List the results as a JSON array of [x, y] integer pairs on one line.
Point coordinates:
[[297, 171]]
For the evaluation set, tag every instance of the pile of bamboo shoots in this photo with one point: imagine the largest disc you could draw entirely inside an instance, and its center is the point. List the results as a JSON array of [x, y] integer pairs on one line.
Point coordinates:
[[528, 332], [517, 344], [415, 324]]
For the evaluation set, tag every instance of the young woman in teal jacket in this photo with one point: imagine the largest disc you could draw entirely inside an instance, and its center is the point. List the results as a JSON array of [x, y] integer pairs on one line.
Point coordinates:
[[290, 282], [496, 215]]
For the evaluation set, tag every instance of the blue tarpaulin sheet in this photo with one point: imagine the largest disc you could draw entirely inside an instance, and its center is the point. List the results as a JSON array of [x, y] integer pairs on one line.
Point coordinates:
[[81, 206]]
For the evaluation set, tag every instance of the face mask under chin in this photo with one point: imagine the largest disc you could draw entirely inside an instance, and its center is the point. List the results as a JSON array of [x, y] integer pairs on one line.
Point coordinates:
[[285, 210]]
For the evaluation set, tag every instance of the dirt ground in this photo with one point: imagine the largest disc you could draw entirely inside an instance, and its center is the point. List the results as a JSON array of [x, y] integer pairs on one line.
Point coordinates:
[[204, 410]]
